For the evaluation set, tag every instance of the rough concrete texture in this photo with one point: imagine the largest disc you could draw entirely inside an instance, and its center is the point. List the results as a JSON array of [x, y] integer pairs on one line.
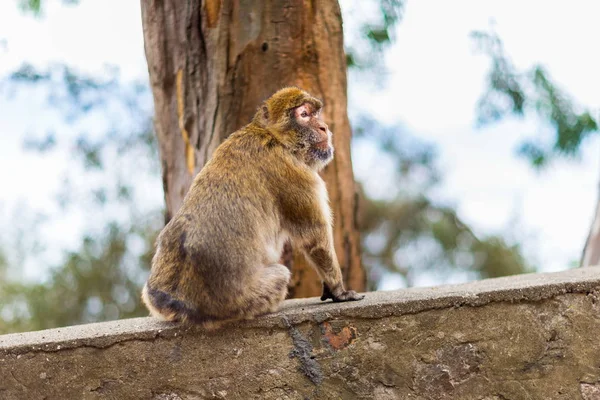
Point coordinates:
[[526, 337]]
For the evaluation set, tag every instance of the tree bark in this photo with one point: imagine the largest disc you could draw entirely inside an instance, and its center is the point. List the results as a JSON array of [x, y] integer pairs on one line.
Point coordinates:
[[591, 251], [211, 64]]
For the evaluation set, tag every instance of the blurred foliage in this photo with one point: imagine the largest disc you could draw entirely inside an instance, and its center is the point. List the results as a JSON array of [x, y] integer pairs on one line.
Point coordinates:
[[514, 92], [98, 282], [127, 139], [409, 233], [36, 7], [101, 279], [373, 31], [440, 242], [406, 233]]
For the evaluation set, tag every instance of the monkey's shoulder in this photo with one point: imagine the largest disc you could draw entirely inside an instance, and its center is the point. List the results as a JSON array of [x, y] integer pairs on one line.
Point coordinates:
[[253, 153], [250, 140]]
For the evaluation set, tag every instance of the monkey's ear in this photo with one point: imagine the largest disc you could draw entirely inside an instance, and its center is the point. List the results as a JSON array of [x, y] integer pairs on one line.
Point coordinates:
[[262, 115], [265, 114]]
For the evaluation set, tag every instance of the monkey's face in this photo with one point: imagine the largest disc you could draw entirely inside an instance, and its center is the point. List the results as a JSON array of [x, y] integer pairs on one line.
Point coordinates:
[[313, 135]]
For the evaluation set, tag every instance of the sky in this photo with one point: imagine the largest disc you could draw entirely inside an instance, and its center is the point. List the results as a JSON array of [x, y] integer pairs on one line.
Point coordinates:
[[433, 83], [435, 79]]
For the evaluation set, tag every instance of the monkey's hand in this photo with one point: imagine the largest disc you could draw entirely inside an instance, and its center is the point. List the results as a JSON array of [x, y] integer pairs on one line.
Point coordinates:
[[347, 295]]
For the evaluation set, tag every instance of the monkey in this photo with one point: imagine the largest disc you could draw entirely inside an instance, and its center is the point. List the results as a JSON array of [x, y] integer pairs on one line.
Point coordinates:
[[217, 259]]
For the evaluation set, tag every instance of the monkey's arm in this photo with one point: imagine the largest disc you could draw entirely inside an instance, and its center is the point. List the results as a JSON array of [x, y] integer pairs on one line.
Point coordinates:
[[320, 252], [307, 218], [348, 295]]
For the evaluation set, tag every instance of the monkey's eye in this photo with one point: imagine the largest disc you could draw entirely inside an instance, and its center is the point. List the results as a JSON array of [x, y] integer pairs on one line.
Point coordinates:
[[304, 114]]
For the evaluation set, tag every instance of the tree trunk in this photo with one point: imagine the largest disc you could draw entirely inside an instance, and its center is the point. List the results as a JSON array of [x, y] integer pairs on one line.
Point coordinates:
[[591, 251], [211, 64]]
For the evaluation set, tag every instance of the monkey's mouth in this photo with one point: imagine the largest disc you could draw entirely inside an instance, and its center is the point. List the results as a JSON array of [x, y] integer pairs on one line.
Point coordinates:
[[323, 144]]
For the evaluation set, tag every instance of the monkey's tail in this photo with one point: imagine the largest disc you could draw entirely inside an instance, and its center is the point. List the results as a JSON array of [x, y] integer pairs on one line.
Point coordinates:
[[163, 306]]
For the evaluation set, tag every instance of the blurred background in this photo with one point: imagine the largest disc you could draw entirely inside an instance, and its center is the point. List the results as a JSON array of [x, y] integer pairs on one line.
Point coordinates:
[[475, 147]]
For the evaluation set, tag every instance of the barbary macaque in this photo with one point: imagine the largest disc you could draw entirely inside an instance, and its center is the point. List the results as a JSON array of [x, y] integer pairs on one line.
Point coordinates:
[[218, 258]]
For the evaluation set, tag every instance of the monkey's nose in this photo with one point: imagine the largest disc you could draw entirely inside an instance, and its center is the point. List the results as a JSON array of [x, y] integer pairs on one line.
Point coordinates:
[[323, 129]]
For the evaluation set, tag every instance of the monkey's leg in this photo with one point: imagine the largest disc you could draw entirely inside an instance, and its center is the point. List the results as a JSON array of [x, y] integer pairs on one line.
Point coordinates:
[[267, 292], [155, 312]]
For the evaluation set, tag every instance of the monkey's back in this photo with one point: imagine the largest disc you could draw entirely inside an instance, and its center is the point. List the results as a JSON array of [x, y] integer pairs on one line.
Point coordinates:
[[227, 228]]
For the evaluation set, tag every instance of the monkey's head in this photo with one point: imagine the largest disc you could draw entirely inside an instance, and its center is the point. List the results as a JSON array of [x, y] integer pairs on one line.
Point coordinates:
[[293, 116]]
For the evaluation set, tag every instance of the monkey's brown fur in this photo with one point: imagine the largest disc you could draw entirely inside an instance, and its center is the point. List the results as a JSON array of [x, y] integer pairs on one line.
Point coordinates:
[[217, 259]]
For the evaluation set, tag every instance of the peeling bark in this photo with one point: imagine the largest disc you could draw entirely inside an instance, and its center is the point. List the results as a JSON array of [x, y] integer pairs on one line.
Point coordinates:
[[212, 62]]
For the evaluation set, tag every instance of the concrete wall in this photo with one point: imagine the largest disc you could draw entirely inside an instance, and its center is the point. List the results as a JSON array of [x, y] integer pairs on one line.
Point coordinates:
[[526, 337]]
